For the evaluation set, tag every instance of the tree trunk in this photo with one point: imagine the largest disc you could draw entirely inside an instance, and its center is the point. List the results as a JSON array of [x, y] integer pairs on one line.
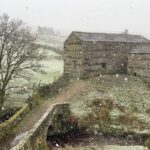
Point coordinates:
[[2, 99]]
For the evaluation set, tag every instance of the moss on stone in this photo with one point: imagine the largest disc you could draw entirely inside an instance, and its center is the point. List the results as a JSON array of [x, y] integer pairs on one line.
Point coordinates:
[[6, 128]]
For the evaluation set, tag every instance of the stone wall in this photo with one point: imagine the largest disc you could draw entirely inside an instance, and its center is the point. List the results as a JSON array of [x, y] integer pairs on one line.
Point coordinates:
[[106, 58], [139, 65], [73, 58], [7, 127], [86, 59], [40, 129]]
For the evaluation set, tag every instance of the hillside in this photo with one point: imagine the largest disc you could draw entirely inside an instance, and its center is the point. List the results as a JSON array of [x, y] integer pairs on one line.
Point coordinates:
[[113, 109], [113, 106], [125, 100]]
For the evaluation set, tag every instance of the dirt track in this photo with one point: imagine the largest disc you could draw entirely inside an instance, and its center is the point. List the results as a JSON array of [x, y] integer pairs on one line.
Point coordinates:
[[35, 114]]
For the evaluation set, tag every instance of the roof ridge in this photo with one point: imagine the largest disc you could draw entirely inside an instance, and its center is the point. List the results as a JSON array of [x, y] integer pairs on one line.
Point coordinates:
[[110, 37], [105, 33]]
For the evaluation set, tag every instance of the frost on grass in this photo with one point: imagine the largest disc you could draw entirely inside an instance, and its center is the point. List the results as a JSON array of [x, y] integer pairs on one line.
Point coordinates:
[[121, 101]]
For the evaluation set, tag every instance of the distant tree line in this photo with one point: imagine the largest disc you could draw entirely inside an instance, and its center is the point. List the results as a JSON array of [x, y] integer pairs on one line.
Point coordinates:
[[47, 31]]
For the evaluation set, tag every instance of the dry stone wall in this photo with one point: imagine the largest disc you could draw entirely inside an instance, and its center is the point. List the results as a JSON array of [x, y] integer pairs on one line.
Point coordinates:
[[40, 129], [139, 65], [86, 59]]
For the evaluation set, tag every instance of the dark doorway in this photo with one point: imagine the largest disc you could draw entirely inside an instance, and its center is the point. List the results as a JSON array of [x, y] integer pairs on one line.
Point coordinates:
[[104, 65]]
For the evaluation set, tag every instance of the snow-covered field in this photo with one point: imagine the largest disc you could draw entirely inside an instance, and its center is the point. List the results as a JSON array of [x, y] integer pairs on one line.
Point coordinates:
[[53, 69], [53, 41]]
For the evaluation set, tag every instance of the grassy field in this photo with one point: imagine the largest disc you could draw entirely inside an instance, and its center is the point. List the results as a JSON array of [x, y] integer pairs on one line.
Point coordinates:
[[51, 40], [53, 69], [114, 104]]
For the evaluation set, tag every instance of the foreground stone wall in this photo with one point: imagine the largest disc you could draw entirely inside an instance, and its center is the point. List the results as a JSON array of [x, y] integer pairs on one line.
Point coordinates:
[[40, 129], [7, 127], [139, 65]]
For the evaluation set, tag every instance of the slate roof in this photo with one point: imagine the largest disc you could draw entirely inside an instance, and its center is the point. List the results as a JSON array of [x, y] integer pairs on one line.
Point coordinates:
[[110, 37], [141, 50]]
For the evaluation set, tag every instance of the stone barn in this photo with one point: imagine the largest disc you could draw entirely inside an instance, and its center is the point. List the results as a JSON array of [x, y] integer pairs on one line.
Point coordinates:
[[92, 54], [139, 62]]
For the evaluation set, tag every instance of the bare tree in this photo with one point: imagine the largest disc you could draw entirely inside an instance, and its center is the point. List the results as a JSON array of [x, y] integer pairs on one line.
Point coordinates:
[[18, 54]]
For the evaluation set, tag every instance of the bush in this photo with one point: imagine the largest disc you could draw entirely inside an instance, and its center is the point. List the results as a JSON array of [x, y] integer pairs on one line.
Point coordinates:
[[34, 99], [148, 111], [98, 114], [41, 144], [55, 87], [147, 143], [130, 119]]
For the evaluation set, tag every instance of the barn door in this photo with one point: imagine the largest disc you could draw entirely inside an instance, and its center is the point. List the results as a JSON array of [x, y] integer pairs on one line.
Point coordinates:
[[103, 67]]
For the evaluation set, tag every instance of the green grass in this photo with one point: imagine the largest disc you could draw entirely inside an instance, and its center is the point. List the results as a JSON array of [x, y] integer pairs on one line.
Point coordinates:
[[53, 68], [130, 107]]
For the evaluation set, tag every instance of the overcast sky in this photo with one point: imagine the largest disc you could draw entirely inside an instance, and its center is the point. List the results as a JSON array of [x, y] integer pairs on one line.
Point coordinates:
[[83, 15]]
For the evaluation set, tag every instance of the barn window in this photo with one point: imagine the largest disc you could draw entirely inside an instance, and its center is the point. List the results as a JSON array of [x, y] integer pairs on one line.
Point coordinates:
[[104, 65]]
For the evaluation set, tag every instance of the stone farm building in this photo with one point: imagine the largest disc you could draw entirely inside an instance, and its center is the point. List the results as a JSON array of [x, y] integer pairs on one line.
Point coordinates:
[[92, 54], [139, 62]]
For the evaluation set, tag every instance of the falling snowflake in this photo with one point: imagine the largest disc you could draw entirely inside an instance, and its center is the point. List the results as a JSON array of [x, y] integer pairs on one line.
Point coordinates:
[[126, 79], [3, 108], [117, 75], [100, 75], [57, 145], [95, 132], [59, 90], [111, 95], [25, 88], [94, 42]]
